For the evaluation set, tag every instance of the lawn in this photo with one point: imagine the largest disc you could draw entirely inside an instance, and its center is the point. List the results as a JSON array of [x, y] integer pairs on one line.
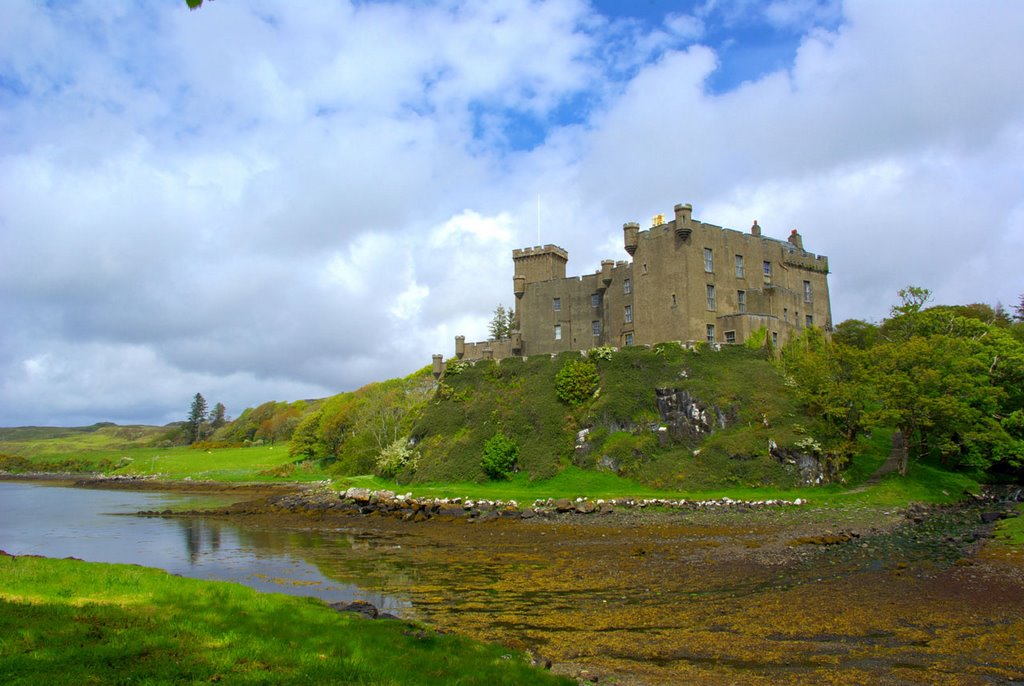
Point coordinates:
[[72, 622]]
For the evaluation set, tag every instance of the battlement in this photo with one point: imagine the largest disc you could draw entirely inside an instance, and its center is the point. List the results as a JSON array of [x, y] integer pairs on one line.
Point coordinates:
[[539, 250], [539, 263], [805, 260]]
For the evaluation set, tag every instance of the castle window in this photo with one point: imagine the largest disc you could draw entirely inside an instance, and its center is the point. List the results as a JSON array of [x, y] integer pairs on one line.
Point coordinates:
[[741, 300], [711, 333], [558, 332], [709, 260], [595, 300], [627, 287], [807, 291], [673, 300], [629, 314], [785, 314], [711, 297], [557, 304], [775, 337], [645, 267], [768, 269], [730, 336], [739, 267], [595, 327], [629, 339], [809, 320]]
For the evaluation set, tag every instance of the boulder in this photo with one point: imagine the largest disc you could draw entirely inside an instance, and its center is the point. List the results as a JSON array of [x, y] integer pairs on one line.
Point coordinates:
[[564, 505], [368, 610], [585, 507], [359, 495]]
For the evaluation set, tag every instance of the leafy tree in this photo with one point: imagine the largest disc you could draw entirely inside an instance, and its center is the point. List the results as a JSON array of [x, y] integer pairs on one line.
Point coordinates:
[[502, 324], [830, 382], [499, 456], [196, 418], [856, 333]]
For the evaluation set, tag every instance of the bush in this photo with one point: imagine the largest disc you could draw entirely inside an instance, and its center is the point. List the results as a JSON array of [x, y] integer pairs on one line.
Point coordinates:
[[500, 455], [395, 458], [576, 382]]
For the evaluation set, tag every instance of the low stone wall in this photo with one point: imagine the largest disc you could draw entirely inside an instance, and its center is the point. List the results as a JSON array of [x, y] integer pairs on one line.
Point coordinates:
[[362, 501]]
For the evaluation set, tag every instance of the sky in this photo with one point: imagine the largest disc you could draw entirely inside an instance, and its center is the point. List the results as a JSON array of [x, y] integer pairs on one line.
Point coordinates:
[[262, 201]]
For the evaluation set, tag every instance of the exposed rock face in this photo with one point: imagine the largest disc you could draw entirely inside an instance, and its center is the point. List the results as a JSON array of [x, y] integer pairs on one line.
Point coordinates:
[[686, 416], [811, 471]]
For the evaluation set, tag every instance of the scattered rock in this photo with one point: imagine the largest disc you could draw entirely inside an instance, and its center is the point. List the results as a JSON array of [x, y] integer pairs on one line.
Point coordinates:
[[368, 610]]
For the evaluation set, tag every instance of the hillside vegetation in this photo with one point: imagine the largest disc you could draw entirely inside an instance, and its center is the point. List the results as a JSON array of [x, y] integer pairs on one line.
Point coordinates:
[[623, 431], [695, 418]]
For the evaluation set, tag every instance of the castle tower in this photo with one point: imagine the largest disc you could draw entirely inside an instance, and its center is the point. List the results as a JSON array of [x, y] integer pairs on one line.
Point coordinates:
[[539, 263]]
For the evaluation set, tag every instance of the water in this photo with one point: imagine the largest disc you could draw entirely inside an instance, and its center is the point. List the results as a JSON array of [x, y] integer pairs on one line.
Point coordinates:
[[95, 525]]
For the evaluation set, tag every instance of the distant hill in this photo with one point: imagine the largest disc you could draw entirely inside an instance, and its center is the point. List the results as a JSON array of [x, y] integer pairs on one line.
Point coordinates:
[[42, 440]]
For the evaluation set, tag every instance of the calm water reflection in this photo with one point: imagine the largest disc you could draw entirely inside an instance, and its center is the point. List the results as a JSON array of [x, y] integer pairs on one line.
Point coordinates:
[[57, 521]]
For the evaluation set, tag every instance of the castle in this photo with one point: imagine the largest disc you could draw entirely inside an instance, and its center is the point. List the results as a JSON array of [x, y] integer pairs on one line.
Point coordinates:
[[686, 280]]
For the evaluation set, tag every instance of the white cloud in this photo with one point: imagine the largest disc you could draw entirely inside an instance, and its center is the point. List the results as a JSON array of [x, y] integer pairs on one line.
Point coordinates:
[[256, 201]]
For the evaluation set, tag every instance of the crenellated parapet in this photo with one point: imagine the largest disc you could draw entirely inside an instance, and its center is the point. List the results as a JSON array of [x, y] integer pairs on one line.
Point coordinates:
[[806, 260], [539, 263]]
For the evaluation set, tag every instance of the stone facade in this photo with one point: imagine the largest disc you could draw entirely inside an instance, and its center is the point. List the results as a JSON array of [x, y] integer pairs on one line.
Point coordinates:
[[686, 281]]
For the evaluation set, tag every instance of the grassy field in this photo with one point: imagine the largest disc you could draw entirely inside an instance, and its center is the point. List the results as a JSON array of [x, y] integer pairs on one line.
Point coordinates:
[[72, 622], [273, 464], [258, 463], [924, 484]]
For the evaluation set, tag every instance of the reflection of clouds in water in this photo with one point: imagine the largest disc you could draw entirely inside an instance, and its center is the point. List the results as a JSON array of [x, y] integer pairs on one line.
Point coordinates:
[[89, 524]]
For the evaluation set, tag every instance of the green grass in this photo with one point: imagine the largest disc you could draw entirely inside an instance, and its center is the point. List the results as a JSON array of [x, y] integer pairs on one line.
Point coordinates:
[[258, 463], [1011, 531], [923, 484], [72, 622], [45, 440]]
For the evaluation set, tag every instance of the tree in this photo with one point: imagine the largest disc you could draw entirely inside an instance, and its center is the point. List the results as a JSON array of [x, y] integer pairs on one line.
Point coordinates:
[[1018, 310], [503, 323], [196, 418], [217, 418]]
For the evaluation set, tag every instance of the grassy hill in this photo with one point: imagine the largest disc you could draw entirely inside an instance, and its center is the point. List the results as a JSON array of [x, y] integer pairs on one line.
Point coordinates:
[[741, 396], [664, 418]]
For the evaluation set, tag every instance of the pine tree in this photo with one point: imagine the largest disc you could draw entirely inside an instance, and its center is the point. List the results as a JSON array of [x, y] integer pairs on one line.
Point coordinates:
[[196, 417], [217, 418], [503, 323]]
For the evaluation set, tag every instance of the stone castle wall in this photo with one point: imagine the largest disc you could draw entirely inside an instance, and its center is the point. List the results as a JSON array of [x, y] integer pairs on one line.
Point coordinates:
[[686, 280]]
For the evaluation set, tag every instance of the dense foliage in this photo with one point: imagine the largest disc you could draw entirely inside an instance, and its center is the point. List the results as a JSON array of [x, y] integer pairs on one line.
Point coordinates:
[[951, 378], [499, 457], [576, 382], [351, 430]]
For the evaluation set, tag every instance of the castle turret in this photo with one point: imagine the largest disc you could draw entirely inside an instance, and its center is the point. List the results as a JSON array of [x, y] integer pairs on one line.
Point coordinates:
[[518, 285], [438, 365], [606, 274], [683, 226], [630, 233], [460, 346]]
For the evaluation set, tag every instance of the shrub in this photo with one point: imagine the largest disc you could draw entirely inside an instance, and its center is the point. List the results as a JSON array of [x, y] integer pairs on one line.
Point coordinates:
[[576, 382], [500, 455], [394, 458]]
